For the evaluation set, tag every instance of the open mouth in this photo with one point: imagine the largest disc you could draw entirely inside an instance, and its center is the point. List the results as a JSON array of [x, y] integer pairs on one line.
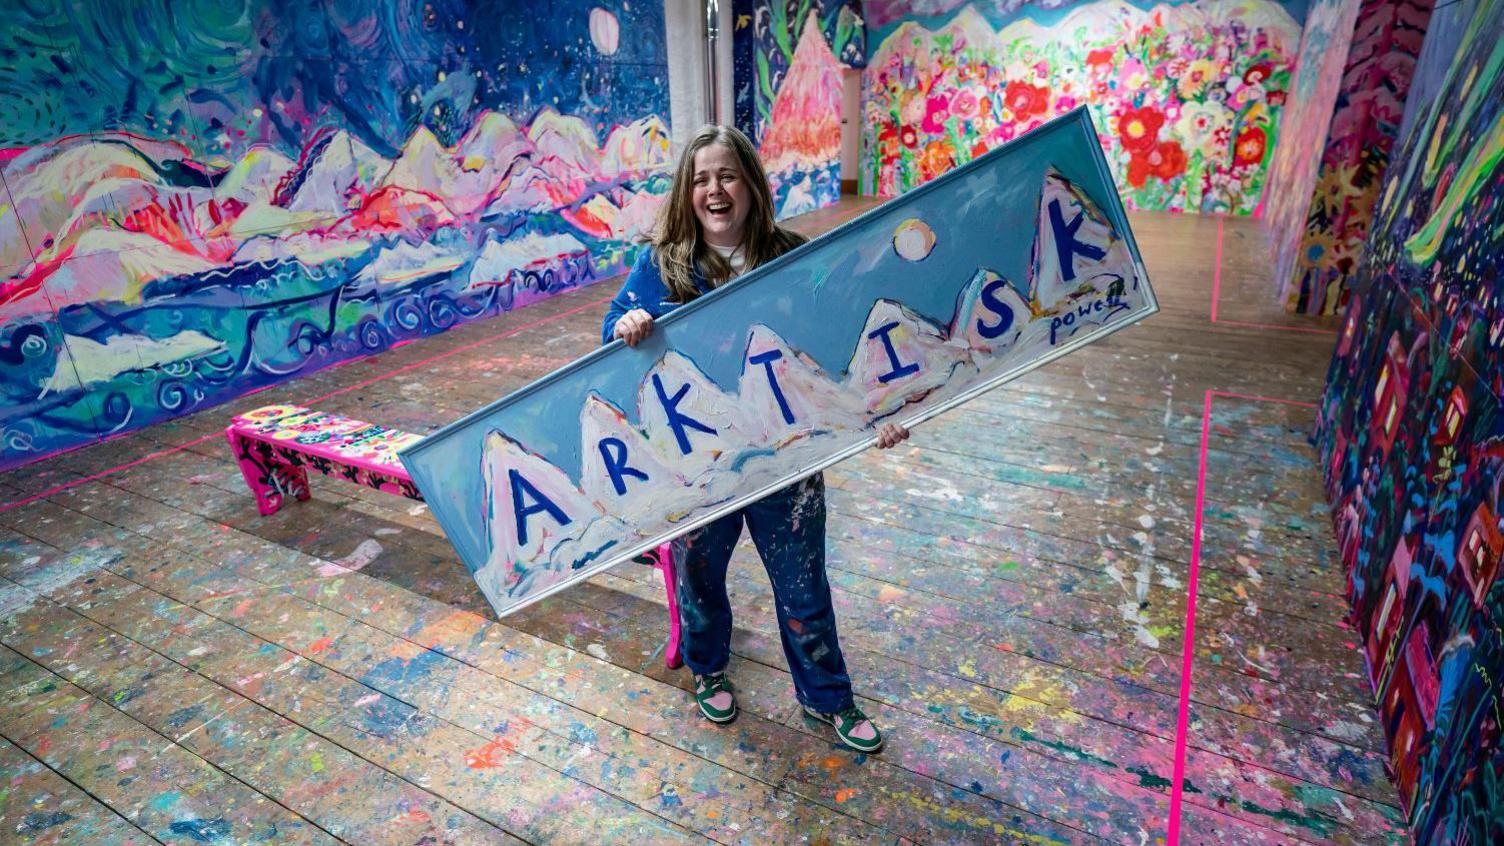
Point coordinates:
[[718, 208]]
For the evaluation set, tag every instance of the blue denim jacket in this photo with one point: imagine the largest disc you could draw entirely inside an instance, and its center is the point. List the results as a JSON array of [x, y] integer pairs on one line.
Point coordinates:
[[646, 290]]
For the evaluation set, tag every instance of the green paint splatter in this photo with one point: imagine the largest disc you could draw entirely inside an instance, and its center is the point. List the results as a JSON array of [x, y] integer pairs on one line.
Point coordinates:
[[1149, 779], [316, 761], [1026, 736], [1321, 825]]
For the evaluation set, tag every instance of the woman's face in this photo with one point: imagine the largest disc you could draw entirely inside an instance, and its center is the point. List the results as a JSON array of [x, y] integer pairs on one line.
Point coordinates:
[[721, 198]]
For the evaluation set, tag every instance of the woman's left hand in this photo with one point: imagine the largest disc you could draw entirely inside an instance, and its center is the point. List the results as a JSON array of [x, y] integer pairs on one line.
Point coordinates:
[[890, 435]]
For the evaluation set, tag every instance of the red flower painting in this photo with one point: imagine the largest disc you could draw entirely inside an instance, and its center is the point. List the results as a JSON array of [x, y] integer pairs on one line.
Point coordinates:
[[1025, 100], [1139, 128], [1250, 146], [1164, 160]]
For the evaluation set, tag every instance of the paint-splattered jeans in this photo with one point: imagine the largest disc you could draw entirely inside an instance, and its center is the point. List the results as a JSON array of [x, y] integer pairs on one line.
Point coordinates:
[[788, 529]]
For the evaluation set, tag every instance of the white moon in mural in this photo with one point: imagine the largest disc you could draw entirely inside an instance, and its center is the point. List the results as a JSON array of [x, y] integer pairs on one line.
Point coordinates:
[[913, 239], [604, 30]]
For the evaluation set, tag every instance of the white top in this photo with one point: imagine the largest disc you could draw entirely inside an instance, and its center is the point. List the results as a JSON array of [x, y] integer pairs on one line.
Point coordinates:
[[734, 256]]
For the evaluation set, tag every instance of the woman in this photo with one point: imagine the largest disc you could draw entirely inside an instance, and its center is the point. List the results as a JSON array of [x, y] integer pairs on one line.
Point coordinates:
[[717, 223]]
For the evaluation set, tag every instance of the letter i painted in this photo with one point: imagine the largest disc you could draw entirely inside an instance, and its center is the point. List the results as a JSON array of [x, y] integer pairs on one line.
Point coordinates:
[[899, 368]]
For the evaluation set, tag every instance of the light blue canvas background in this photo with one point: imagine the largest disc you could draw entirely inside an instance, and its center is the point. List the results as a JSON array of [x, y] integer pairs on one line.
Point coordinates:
[[816, 298]]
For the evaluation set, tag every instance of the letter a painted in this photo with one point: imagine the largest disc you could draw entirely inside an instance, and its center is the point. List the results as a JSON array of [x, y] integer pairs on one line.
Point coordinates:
[[1066, 245], [899, 368], [675, 419], [522, 487], [614, 454], [766, 359]]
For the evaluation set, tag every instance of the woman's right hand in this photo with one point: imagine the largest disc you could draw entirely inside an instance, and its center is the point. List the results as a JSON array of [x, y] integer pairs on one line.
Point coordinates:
[[634, 326]]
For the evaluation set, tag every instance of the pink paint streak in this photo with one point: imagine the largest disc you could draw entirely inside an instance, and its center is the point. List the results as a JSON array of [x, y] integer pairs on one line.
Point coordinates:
[[1217, 271], [1188, 646], [358, 385]]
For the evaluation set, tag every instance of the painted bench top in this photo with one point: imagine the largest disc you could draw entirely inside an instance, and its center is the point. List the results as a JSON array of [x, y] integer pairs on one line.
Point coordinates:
[[341, 439]]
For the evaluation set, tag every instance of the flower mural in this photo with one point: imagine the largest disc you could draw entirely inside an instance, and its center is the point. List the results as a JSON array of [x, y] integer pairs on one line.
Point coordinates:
[[1186, 97]]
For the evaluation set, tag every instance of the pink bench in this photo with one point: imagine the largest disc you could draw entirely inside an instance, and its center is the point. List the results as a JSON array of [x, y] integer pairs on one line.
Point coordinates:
[[276, 445]]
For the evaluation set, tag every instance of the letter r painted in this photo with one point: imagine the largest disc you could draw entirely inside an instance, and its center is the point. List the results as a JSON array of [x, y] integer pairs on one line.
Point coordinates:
[[614, 454]]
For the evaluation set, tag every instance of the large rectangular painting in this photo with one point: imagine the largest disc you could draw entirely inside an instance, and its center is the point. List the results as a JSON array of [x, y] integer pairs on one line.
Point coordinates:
[[896, 316]]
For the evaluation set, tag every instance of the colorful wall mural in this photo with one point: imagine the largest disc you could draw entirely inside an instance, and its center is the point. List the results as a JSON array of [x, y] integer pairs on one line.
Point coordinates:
[[1411, 436], [207, 197], [788, 57], [1324, 44], [1186, 96], [1328, 235]]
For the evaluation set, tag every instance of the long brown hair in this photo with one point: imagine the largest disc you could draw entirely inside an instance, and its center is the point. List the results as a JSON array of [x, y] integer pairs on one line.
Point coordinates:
[[677, 238]]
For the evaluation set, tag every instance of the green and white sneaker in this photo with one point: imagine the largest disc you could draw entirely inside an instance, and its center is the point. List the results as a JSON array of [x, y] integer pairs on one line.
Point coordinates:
[[852, 727], [714, 696]]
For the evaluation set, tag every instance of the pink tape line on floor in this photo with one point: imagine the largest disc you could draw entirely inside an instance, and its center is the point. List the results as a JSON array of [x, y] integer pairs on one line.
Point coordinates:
[[1188, 647]]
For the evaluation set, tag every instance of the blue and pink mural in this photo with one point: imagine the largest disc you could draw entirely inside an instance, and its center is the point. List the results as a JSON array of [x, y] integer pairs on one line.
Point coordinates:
[[1411, 434], [789, 55], [204, 198], [1324, 44], [1355, 72]]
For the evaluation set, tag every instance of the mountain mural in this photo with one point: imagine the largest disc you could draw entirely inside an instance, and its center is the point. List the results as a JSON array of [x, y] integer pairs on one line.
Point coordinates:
[[789, 57], [257, 206]]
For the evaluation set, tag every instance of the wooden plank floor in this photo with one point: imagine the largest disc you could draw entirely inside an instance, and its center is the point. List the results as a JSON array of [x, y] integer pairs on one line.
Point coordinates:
[[1012, 587]]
